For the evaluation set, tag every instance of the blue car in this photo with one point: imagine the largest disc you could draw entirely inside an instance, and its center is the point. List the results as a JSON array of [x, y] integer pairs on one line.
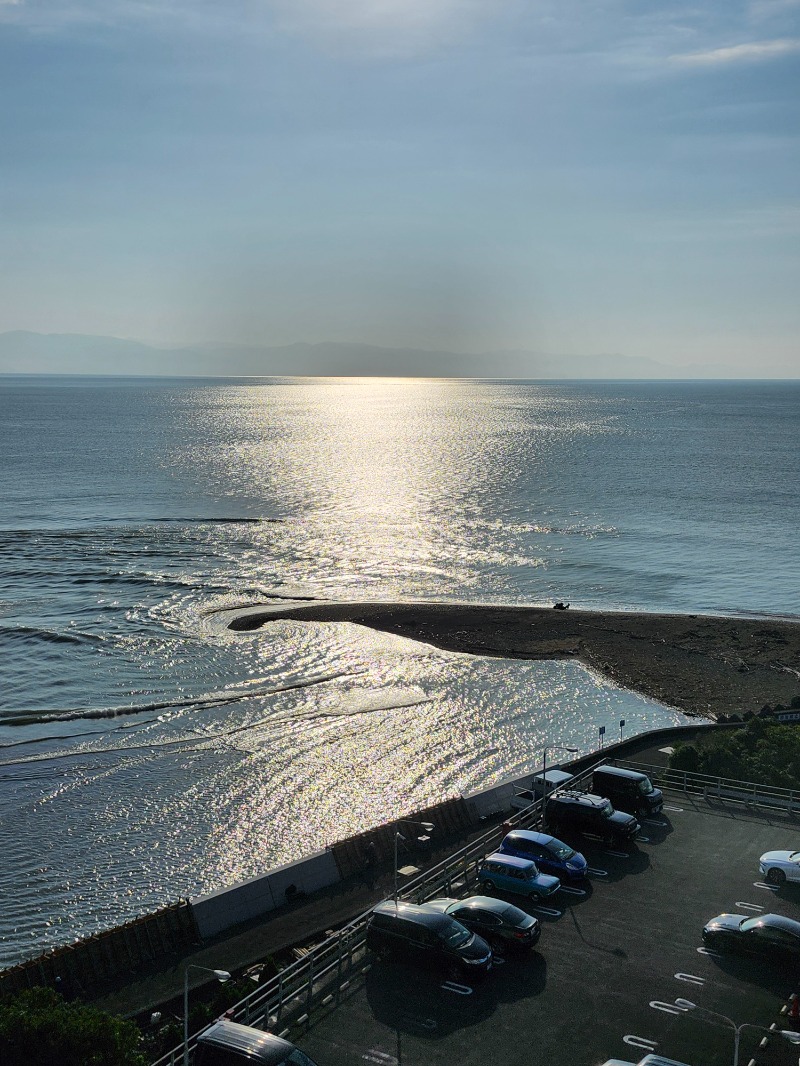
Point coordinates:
[[549, 854], [511, 874]]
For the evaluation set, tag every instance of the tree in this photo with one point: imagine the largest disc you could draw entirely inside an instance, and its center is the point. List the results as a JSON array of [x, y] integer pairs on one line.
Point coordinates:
[[38, 1028]]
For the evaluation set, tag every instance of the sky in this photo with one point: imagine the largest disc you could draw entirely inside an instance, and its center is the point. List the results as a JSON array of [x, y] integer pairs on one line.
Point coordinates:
[[554, 176]]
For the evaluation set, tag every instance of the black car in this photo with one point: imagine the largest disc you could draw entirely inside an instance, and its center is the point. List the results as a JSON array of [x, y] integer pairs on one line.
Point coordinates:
[[494, 919], [769, 935], [590, 814], [628, 790], [227, 1043], [424, 933]]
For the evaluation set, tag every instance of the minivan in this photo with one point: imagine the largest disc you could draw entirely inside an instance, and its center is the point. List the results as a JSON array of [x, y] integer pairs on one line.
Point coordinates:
[[550, 855], [509, 873], [628, 790], [421, 933], [227, 1043]]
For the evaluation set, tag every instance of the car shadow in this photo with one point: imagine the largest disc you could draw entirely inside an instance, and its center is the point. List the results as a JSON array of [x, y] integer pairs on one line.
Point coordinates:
[[655, 829], [774, 976], [435, 1003], [427, 1003]]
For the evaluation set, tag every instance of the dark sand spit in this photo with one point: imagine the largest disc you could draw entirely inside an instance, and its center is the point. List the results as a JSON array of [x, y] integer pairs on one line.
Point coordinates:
[[700, 664]]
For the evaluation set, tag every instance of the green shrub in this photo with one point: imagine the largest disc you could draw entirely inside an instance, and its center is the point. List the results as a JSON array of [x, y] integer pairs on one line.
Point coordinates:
[[38, 1028]]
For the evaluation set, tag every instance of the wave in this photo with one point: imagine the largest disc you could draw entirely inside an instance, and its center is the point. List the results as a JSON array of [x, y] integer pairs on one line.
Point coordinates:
[[32, 635], [215, 699]]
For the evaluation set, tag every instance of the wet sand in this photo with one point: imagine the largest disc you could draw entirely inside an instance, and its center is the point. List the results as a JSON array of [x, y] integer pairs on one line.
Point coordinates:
[[700, 664]]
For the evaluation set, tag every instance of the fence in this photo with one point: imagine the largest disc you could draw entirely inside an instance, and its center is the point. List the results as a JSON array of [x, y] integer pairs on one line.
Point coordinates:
[[750, 793]]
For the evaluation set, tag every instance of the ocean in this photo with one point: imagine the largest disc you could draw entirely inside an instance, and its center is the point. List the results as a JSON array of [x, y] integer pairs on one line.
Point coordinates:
[[147, 753]]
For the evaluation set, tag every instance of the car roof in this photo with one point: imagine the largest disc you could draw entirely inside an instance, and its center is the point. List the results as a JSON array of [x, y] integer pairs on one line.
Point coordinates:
[[586, 798], [530, 835], [510, 860], [620, 771], [412, 912], [780, 921], [260, 1046]]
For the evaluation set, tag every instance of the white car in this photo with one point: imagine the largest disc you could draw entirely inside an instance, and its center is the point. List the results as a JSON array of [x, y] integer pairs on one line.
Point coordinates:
[[780, 866]]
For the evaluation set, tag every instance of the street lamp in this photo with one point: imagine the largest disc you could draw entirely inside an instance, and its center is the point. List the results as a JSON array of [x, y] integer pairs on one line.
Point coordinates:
[[788, 1034], [221, 975], [549, 747], [398, 836]]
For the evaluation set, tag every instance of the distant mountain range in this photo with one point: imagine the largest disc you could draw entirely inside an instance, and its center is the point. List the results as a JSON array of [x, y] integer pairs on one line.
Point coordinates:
[[22, 352]]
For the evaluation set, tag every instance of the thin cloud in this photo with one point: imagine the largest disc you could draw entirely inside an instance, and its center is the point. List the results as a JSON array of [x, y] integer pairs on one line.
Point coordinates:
[[754, 51]]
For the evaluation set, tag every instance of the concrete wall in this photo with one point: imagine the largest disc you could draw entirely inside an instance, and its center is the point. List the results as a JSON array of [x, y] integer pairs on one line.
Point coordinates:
[[220, 910]]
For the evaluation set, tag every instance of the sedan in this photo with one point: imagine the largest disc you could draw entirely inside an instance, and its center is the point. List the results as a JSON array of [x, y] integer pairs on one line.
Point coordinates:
[[769, 935], [780, 866], [493, 919]]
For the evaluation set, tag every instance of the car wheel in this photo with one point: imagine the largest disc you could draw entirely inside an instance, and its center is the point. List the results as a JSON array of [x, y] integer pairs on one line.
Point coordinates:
[[776, 877], [487, 887]]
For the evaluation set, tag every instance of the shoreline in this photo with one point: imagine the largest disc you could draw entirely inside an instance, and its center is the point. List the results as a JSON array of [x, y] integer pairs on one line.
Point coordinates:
[[708, 665]]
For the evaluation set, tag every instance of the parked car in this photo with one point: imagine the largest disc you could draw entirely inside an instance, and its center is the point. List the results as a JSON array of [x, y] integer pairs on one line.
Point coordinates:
[[512, 874], [780, 866], [772, 936], [628, 790], [227, 1043], [422, 933], [550, 854], [590, 814], [493, 919], [525, 795]]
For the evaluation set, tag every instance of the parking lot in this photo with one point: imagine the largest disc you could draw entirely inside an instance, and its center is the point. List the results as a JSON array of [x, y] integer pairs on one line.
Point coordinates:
[[613, 957]]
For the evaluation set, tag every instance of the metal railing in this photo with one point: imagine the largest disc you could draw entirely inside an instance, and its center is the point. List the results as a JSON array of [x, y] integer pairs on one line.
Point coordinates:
[[750, 793]]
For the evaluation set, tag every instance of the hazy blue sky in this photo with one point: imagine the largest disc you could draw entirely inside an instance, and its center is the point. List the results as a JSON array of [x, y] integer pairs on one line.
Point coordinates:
[[576, 177]]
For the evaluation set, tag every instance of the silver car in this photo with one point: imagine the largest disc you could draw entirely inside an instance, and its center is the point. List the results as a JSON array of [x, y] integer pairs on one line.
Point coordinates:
[[778, 867]]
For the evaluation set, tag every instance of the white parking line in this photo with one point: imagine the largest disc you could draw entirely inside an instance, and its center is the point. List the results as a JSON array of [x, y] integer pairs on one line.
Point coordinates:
[[679, 809], [572, 891], [654, 821], [379, 1057], [641, 839], [763, 884], [748, 906], [551, 911], [707, 951], [692, 978], [640, 1042], [617, 854], [461, 990], [596, 873], [667, 1008]]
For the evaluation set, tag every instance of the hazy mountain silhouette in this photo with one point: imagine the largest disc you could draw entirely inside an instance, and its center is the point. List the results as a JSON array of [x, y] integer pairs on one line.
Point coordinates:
[[23, 352]]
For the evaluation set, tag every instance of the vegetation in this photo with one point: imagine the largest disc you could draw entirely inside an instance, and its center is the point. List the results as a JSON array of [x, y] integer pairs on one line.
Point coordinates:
[[39, 1028], [763, 751]]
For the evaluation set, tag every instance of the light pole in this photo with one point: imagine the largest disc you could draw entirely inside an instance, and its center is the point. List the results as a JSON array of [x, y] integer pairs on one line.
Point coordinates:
[[221, 975], [549, 747], [788, 1034], [398, 836]]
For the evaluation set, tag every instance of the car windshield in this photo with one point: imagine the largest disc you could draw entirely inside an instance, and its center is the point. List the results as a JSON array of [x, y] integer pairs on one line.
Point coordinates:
[[795, 857], [606, 810], [561, 851], [749, 924], [455, 934], [645, 787], [513, 915]]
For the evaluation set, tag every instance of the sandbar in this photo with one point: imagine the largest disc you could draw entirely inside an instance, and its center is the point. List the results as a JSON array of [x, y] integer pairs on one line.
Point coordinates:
[[706, 665]]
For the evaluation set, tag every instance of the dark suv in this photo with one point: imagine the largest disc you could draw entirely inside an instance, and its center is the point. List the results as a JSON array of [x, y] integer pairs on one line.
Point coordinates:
[[420, 932], [590, 814]]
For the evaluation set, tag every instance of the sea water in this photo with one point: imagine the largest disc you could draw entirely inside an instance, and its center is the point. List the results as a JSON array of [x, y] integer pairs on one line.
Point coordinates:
[[148, 753]]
